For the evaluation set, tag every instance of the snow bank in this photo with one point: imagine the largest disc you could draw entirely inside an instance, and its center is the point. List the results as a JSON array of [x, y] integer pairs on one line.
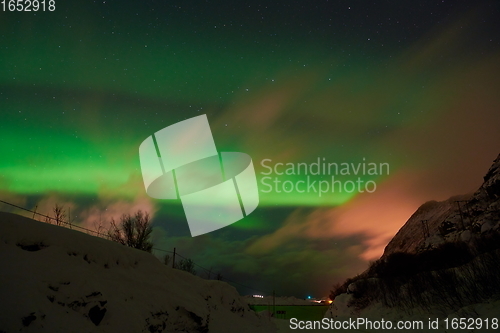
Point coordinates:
[[59, 280], [340, 311], [268, 300]]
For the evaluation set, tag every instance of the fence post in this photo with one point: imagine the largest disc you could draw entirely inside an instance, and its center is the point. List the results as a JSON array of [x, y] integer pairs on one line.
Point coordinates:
[[34, 213], [274, 303], [173, 259], [461, 215]]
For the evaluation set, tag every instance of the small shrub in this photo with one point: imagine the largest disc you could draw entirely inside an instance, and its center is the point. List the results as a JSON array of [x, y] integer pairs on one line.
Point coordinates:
[[186, 265], [447, 227], [166, 259]]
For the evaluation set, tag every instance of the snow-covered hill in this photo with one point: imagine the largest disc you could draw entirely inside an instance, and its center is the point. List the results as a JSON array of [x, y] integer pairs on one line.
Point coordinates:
[[442, 263], [458, 218], [412, 237], [58, 280]]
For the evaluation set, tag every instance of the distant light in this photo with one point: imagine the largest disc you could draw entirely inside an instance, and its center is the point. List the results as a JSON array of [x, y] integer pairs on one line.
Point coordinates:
[[257, 296], [308, 297]]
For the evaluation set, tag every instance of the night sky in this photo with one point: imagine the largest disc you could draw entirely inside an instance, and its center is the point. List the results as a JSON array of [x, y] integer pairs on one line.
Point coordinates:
[[414, 84]]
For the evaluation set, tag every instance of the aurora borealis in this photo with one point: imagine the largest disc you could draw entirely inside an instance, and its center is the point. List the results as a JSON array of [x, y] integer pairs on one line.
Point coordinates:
[[414, 85]]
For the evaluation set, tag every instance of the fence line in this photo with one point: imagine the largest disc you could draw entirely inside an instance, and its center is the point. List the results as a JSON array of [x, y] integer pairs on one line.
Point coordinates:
[[59, 222]]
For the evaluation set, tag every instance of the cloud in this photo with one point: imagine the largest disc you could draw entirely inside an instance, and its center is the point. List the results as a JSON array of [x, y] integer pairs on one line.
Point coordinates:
[[374, 217], [432, 113], [131, 188], [14, 199], [98, 217], [283, 269], [47, 204]]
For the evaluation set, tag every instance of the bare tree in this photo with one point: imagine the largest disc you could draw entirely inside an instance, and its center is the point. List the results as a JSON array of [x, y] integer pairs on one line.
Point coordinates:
[[59, 214], [98, 228], [134, 231]]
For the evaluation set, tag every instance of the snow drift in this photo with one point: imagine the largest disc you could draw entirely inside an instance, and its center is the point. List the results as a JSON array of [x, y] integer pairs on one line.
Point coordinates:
[[59, 280], [283, 300]]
